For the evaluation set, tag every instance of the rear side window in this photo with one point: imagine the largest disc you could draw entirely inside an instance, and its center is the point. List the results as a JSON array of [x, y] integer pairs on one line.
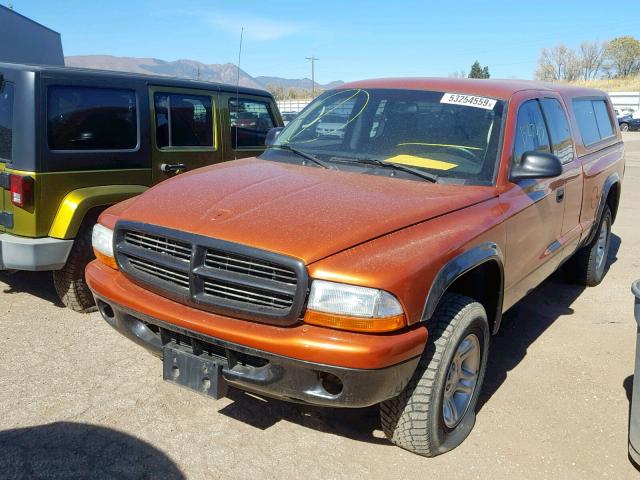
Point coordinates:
[[6, 120], [531, 133], [250, 120], [558, 129], [184, 120], [593, 120], [88, 118]]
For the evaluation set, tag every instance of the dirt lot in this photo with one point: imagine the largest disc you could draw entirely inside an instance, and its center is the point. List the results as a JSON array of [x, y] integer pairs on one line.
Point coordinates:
[[77, 399]]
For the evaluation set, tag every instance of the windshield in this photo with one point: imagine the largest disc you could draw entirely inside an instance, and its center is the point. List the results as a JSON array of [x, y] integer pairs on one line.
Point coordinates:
[[453, 136]]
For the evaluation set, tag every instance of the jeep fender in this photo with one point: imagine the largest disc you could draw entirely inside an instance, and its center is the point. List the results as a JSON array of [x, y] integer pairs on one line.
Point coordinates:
[[77, 203], [456, 268]]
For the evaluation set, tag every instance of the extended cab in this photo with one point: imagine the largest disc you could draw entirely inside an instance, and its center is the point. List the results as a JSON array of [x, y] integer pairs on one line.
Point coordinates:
[[370, 267], [75, 141]]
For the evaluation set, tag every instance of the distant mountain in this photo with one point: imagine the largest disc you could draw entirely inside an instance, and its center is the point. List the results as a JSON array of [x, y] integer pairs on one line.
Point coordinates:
[[224, 73]]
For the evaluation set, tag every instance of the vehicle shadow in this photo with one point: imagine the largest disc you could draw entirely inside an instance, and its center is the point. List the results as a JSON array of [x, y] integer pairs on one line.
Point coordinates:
[[77, 450], [521, 327], [39, 284], [530, 318]]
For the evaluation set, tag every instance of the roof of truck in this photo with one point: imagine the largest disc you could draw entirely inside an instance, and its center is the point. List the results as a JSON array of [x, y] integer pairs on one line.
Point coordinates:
[[159, 79], [487, 87]]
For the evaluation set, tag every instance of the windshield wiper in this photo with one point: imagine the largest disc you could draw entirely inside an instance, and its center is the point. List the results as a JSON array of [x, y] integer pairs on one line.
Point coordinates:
[[396, 166], [302, 154]]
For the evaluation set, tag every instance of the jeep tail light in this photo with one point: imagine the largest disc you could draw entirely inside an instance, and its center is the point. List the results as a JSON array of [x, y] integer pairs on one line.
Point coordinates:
[[21, 189]]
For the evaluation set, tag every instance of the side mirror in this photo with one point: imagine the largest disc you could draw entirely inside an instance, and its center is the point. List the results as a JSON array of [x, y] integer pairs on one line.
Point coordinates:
[[272, 134], [536, 165]]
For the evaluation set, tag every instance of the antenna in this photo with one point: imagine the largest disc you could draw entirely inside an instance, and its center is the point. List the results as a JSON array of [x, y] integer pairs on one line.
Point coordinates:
[[235, 150]]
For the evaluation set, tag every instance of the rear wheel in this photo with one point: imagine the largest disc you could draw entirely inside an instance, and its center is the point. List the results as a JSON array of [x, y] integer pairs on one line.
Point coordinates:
[[624, 127], [436, 410], [69, 281], [589, 264]]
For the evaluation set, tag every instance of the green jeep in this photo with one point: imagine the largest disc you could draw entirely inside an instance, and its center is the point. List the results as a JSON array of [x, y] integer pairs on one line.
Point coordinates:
[[74, 141]]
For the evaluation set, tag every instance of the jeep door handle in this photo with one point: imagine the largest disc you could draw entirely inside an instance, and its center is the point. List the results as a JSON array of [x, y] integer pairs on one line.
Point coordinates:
[[560, 195], [172, 167]]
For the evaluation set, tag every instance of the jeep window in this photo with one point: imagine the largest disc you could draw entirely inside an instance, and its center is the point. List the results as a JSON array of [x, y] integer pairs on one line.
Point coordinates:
[[593, 119], [414, 128], [558, 129], [531, 132], [6, 120], [183, 120], [88, 118], [249, 122]]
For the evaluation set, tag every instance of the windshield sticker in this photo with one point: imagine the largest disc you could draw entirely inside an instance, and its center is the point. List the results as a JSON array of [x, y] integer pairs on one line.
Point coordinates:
[[468, 100], [422, 162]]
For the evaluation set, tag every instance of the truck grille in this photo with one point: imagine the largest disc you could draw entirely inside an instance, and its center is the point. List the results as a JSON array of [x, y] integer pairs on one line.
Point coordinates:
[[211, 274]]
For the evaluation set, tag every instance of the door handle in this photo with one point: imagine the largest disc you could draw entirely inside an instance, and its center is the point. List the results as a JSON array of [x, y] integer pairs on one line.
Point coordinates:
[[172, 167], [560, 195]]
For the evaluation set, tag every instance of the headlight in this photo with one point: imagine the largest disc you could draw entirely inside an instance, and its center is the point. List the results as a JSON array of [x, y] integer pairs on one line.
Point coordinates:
[[350, 307], [102, 242]]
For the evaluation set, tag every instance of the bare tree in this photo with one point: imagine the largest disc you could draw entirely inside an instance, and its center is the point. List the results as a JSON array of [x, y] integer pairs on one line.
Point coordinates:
[[558, 63], [591, 59]]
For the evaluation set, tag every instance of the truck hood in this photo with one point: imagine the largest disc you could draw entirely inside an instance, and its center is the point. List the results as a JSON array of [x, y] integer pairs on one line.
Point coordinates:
[[305, 212]]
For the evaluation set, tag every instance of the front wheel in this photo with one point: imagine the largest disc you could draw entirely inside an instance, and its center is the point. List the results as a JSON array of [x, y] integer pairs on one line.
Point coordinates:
[[436, 410], [69, 281], [624, 127]]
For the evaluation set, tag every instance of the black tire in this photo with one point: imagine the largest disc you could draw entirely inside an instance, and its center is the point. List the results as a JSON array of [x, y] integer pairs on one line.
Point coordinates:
[[69, 281], [414, 420], [624, 127], [584, 267]]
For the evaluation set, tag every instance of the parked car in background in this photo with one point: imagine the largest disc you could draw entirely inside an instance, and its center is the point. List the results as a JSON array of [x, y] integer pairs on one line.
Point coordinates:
[[373, 267], [628, 123], [287, 117], [74, 141], [331, 126]]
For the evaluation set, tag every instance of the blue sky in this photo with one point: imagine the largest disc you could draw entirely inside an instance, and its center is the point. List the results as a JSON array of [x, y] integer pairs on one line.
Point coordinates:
[[353, 39]]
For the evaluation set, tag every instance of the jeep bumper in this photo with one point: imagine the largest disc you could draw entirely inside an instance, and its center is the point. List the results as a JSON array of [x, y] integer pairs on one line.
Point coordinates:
[[23, 253]]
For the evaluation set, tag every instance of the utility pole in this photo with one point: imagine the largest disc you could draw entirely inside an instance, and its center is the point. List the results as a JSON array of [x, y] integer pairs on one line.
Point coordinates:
[[313, 59]]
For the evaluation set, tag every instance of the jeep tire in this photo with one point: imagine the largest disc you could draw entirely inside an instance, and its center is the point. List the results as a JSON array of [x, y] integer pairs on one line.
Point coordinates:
[[69, 281], [589, 264], [420, 419]]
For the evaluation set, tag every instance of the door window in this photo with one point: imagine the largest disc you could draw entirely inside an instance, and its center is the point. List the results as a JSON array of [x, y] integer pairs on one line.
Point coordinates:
[[531, 132], [558, 129], [183, 120], [593, 119], [6, 120], [88, 118], [250, 120]]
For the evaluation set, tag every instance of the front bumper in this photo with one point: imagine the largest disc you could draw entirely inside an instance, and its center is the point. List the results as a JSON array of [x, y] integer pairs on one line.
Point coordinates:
[[261, 372], [23, 253]]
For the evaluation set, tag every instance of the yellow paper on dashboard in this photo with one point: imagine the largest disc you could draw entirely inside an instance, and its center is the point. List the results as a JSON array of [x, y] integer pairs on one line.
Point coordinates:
[[416, 161]]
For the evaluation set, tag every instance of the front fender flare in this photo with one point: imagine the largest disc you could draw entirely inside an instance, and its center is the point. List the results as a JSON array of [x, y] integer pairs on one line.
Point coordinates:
[[458, 266], [77, 203]]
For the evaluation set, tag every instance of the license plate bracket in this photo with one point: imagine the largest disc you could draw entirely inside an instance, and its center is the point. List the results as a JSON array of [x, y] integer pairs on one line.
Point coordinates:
[[201, 374]]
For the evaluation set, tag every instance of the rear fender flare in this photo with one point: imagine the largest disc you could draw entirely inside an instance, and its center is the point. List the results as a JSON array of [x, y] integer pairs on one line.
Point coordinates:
[[77, 203], [606, 188]]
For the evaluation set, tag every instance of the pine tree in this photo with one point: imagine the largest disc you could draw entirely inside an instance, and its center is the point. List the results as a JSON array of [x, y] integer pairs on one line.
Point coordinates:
[[478, 72]]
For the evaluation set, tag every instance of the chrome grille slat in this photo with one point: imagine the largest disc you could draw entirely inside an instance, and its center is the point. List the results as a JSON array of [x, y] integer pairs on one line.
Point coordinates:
[[246, 295], [254, 268], [161, 272], [159, 245]]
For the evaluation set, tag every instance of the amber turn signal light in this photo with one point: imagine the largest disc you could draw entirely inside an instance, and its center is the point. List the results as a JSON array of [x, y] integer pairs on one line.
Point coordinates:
[[356, 324], [107, 260]]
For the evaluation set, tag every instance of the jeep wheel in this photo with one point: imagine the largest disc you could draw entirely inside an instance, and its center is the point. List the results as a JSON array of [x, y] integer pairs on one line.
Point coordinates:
[[436, 410], [624, 127], [590, 262], [69, 281]]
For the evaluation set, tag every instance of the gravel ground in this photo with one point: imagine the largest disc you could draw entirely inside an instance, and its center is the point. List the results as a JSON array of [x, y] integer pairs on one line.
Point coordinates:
[[78, 400]]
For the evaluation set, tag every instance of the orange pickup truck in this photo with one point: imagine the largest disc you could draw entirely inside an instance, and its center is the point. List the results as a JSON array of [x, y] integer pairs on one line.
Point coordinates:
[[370, 267]]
